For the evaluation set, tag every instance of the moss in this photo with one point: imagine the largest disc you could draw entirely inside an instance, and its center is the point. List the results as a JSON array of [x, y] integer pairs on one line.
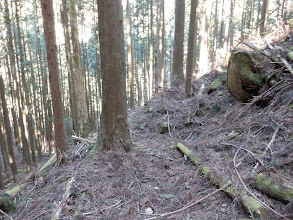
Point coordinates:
[[187, 121], [6, 203], [220, 80], [254, 77], [290, 55], [205, 170]]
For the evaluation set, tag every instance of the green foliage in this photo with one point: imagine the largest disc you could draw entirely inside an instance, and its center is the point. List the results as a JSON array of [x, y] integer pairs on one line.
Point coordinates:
[[216, 108]]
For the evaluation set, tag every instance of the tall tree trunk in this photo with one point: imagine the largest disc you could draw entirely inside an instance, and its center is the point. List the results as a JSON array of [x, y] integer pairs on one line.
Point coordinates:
[[177, 76], [160, 45], [204, 48], [23, 108], [215, 35], [115, 133], [264, 14], [69, 65], [129, 54], [83, 117], [7, 126], [151, 53], [44, 91], [54, 77], [190, 65], [231, 23], [3, 145]]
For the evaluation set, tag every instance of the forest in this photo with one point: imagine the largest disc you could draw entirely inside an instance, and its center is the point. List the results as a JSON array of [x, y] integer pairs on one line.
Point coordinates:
[[146, 109]]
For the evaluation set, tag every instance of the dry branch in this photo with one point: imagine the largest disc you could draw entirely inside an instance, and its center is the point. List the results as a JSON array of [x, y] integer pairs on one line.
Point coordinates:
[[83, 139]]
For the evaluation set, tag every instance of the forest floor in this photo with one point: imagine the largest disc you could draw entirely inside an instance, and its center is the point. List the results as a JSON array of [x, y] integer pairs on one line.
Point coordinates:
[[155, 180]]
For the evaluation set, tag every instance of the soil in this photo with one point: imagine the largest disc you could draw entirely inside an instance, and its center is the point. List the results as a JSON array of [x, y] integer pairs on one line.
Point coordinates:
[[155, 180]]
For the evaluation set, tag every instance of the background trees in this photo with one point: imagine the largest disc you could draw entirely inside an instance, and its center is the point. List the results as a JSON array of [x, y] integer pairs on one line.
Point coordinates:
[[153, 60]]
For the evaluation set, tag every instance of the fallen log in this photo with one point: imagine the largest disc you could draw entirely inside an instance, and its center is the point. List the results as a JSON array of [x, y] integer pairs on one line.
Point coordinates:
[[274, 189], [248, 202]]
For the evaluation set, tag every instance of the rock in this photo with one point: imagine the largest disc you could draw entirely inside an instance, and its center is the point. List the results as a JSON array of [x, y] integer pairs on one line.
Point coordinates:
[[149, 211]]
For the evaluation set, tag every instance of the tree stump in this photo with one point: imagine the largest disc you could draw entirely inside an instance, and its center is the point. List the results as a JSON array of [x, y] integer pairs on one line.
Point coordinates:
[[245, 76]]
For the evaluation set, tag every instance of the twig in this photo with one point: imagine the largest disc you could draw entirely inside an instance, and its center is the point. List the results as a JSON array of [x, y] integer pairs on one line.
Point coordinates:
[[247, 190], [6, 215], [83, 139], [271, 142], [258, 159], [190, 205], [23, 210], [288, 66], [169, 124], [57, 212], [112, 206]]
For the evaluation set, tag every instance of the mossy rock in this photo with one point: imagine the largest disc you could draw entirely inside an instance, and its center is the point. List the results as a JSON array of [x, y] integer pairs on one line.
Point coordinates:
[[6, 203], [140, 126], [163, 128], [244, 75], [220, 80]]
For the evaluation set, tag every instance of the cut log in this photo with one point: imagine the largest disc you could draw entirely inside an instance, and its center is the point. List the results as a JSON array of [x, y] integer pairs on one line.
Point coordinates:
[[247, 201], [244, 74], [274, 189]]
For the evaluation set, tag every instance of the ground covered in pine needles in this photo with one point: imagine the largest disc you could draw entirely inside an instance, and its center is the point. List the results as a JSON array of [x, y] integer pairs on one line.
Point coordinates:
[[155, 180]]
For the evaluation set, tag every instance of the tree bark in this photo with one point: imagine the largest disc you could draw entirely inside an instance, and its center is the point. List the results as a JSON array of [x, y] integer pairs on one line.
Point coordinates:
[[177, 76], [129, 54], [204, 48], [190, 65], [69, 65], [54, 78], [83, 117], [160, 45], [7, 127], [114, 133], [151, 54], [264, 14]]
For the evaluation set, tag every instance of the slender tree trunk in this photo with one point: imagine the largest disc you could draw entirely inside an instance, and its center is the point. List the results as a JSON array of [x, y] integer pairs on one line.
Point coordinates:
[[204, 48], [215, 35], [83, 117], [23, 109], [69, 65], [115, 133], [151, 53], [129, 54], [160, 45], [177, 76], [264, 14], [54, 77], [231, 23], [7, 127], [3, 145], [190, 65], [222, 19]]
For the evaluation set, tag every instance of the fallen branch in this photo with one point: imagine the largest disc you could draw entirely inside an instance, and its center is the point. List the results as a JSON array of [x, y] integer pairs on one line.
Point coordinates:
[[83, 139], [274, 189], [66, 195]]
